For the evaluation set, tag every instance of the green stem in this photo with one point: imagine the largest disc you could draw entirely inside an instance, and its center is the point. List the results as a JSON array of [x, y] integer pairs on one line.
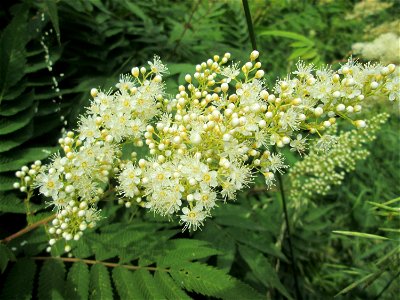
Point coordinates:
[[27, 229], [249, 24], [28, 208], [292, 257], [94, 262]]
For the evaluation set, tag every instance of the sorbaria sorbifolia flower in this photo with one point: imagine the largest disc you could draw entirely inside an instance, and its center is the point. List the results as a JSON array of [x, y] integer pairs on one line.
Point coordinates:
[[204, 144]]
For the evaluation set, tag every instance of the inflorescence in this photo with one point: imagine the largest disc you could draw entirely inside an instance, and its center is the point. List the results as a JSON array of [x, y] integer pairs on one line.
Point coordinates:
[[204, 145]]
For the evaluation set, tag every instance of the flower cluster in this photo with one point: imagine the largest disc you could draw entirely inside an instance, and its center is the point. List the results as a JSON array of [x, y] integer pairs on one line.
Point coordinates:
[[27, 176], [205, 143], [76, 180], [366, 8], [385, 48]]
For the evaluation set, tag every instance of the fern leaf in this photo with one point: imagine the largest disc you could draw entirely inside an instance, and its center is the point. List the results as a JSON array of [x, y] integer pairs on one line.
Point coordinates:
[[176, 256], [147, 285], [168, 286], [13, 123], [126, 285], [262, 269], [19, 282], [10, 108], [12, 50], [13, 161], [100, 284], [51, 9], [16, 138], [77, 286], [179, 250], [5, 256], [51, 280], [209, 281]]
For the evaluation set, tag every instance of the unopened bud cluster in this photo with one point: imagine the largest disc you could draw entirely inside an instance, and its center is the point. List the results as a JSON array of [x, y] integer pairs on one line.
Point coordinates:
[[27, 176], [318, 172], [204, 143]]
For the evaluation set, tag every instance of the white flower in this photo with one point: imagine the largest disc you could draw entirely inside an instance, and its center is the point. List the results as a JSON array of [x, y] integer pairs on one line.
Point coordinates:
[[276, 163], [89, 130], [231, 72], [157, 66], [303, 70], [250, 92], [192, 218], [125, 82], [393, 88], [326, 142], [49, 184], [240, 176], [206, 198], [289, 119], [129, 178], [299, 144]]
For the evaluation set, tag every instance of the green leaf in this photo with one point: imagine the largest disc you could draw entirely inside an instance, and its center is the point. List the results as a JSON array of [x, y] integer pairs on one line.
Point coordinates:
[[287, 34], [51, 280], [100, 284], [360, 234], [385, 207], [19, 282], [11, 124], [6, 182], [77, 285], [10, 203], [180, 250], [209, 281], [147, 285], [240, 222], [175, 68], [10, 108], [262, 270], [176, 256], [12, 50], [125, 284], [221, 239], [51, 9], [16, 138], [169, 287], [355, 284], [296, 54], [310, 54], [135, 9], [5, 256], [14, 160]]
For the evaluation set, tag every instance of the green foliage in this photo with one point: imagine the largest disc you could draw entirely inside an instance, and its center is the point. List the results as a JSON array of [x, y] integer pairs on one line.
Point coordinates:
[[100, 284], [51, 280], [242, 253], [19, 282], [77, 285]]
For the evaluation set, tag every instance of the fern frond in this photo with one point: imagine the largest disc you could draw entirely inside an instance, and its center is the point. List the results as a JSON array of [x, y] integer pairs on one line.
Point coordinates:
[[5, 256], [100, 284], [125, 284], [209, 281], [51, 280], [147, 285], [19, 282], [168, 286], [77, 285], [180, 250], [262, 270]]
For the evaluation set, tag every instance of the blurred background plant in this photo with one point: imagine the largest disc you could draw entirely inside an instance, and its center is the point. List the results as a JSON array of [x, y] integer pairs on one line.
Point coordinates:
[[53, 52]]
